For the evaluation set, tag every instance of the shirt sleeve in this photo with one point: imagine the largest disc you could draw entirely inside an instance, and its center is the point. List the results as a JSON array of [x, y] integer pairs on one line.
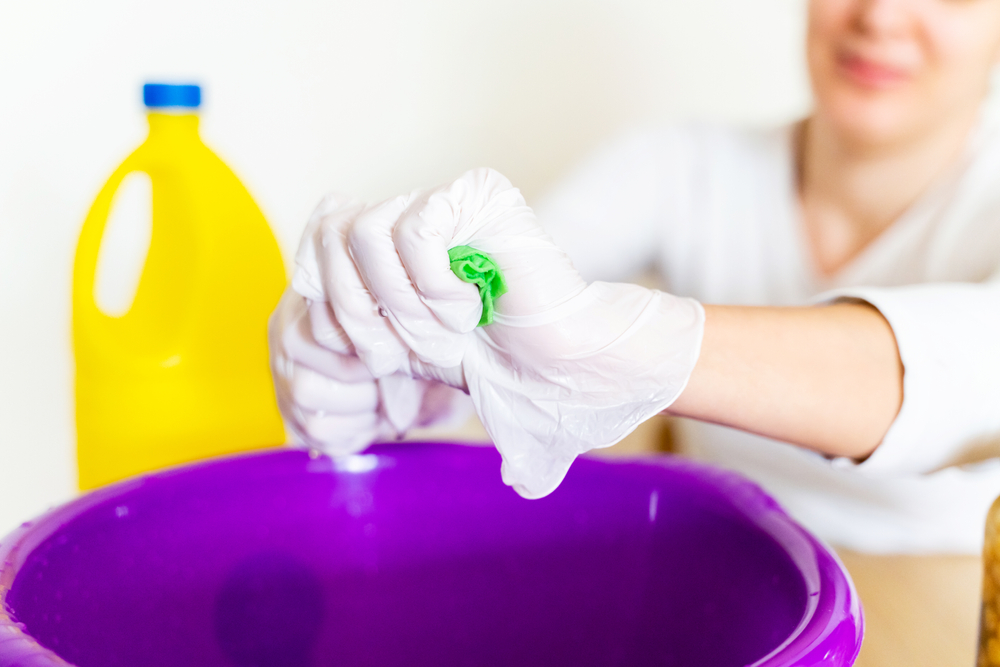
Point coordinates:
[[948, 335], [609, 214]]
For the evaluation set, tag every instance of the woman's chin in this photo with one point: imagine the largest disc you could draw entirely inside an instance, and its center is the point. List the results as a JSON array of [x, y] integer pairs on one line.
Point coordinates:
[[873, 120]]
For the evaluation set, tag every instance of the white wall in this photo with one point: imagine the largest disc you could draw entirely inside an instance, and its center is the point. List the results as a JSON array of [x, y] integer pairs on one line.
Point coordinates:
[[368, 97]]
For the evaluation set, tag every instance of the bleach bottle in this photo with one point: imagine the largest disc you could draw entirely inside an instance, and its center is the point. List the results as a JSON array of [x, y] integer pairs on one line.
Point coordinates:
[[182, 374]]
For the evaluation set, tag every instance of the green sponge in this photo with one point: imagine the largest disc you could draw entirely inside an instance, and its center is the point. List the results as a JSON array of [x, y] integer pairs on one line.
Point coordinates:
[[479, 268]]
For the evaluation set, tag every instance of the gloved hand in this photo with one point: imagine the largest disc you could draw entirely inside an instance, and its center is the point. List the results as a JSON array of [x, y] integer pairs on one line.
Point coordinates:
[[328, 397], [564, 368]]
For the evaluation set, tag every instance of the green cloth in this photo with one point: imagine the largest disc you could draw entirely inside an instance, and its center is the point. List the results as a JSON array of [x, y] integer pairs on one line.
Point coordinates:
[[479, 268]]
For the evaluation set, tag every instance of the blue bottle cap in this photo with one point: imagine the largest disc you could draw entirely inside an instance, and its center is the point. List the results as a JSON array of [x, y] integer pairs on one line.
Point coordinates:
[[160, 95]]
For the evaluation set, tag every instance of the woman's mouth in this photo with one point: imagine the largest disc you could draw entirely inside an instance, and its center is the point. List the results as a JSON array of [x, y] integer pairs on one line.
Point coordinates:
[[870, 73]]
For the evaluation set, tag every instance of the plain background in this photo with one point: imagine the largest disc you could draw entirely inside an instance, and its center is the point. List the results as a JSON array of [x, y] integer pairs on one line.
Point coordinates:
[[371, 98]]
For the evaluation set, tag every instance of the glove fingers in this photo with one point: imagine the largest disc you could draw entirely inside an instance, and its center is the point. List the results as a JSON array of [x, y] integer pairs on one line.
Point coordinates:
[[308, 278], [339, 435], [292, 337], [333, 433], [400, 398], [372, 335], [492, 216], [313, 391], [325, 329], [371, 245], [453, 376], [422, 238]]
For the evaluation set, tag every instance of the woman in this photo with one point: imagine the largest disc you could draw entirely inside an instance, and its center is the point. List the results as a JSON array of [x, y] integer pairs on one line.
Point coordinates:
[[888, 387]]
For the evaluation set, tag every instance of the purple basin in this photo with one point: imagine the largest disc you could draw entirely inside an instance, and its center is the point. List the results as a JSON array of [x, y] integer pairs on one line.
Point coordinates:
[[416, 554]]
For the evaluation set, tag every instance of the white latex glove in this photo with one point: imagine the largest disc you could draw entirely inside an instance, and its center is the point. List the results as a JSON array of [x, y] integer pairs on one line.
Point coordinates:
[[328, 397], [564, 368]]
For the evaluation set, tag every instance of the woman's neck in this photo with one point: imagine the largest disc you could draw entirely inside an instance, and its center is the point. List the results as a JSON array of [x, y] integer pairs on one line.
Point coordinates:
[[850, 192]]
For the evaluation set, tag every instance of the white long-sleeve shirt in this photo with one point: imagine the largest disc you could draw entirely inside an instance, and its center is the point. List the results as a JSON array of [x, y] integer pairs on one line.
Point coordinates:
[[715, 212]]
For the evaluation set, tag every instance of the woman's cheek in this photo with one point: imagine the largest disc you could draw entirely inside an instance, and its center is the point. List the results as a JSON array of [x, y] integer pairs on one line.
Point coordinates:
[[962, 43]]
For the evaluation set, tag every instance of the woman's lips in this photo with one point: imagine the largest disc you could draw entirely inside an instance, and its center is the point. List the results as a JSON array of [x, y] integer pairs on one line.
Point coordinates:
[[870, 74]]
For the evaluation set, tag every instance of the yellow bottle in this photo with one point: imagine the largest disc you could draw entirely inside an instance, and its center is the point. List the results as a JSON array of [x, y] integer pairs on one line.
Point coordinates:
[[183, 375]]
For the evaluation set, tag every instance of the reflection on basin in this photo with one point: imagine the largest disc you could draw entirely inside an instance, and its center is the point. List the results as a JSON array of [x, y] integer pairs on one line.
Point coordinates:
[[416, 554]]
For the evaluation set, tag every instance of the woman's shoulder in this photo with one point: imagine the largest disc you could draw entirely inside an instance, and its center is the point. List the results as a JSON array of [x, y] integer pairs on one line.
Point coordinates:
[[704, 154], [709, 140], [679, 151]]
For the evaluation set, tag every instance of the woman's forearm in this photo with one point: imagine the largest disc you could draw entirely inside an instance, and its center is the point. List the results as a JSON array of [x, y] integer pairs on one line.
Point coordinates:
[[827, 378]]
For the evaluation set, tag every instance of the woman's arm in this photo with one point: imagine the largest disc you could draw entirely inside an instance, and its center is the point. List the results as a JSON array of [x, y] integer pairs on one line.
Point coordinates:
[[827, 378], [567, 367]]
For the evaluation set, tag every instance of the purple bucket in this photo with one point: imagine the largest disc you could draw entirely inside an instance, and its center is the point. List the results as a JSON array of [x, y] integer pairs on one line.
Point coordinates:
[[416, 554]]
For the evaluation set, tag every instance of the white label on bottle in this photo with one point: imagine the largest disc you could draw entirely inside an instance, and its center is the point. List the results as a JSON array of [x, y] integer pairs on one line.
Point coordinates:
[[124, 245]]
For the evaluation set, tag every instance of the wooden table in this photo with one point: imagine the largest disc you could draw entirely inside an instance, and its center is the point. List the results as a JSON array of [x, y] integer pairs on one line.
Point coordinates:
[[920, 611]]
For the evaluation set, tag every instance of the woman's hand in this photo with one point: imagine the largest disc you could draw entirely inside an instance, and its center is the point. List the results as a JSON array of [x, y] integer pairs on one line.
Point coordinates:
[[564, 368], [329, 398]]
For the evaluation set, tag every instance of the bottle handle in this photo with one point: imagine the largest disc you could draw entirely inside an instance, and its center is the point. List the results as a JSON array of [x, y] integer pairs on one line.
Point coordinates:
[[133, 332], [88, 249]]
